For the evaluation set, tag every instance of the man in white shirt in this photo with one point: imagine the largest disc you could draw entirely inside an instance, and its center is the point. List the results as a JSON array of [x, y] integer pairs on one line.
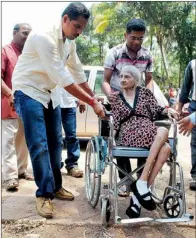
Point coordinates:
[[50, 59], [68, 106]]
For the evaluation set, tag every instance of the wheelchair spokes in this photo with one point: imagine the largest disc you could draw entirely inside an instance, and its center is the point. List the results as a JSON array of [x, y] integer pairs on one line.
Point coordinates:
[[92, 173]]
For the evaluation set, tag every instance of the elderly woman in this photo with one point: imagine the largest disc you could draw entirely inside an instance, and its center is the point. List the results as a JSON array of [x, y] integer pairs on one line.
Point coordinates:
[[140, 107]]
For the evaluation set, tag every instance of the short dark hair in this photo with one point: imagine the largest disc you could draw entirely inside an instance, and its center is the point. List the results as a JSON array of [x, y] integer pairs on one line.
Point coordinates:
[[18, 26], [135, 24], [75, 10]]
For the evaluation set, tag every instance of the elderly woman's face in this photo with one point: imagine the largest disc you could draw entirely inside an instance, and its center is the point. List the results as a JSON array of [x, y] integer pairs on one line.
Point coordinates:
[[127, 80]]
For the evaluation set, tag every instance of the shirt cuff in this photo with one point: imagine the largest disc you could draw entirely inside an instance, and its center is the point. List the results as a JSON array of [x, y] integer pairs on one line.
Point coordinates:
[[193, 118]]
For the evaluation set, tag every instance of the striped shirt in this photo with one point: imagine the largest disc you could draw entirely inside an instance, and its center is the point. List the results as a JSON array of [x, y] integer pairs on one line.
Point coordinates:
[[118, 56]]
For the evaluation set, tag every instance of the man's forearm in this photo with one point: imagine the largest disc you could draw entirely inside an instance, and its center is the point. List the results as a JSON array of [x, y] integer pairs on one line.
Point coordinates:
[[106, 88], [149, 81], [87, 89], [79, 93]]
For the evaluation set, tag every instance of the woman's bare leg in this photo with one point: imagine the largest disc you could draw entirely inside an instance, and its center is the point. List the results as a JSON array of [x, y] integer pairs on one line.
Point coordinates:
[[160, 139], [161, 159]]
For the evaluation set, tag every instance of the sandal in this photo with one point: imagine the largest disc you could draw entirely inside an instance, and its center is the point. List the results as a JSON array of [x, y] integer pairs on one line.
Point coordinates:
[[123, 191], [147, 204], [130, 212], [11, 184]]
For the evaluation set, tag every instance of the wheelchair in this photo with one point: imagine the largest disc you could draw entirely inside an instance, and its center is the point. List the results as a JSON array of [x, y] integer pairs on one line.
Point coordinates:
[[101, 154]]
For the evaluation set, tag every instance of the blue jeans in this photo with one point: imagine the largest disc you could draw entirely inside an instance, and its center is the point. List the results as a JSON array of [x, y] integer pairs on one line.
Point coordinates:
[[44, 141], [68, 116], [192, 108]]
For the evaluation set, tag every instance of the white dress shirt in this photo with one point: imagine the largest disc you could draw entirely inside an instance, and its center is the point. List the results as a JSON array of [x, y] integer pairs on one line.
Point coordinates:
[[66, 99], [47, 61]]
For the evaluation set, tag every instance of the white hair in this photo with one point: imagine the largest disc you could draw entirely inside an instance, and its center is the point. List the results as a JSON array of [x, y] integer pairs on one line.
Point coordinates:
[[135, 73]]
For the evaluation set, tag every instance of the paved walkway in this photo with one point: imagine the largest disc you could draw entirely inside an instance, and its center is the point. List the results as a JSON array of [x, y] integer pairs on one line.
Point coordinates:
[[21, 204]]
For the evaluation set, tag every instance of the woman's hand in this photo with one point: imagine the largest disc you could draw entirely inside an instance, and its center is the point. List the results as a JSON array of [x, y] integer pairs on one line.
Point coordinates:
[[112, 96], [173, 113]]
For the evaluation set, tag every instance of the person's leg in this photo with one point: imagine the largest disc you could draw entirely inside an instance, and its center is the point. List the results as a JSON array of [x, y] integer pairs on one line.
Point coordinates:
[[140, 162], [55, 142], [10, 171], [55, 146], [160, 139], [140, 188], [192, 184], [22, 152], [32, 115], [124, 164], [68, 116], [161, 159]]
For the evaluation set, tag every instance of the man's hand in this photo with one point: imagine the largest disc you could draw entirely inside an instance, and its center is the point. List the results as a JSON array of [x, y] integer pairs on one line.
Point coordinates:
[[82, 106], [112, 95], [8, 93], [98, 108], [11, 101], [185, 126]]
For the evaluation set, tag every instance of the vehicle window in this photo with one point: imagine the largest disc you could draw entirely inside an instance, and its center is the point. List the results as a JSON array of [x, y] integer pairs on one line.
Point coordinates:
[[98, 82], [87, 72]]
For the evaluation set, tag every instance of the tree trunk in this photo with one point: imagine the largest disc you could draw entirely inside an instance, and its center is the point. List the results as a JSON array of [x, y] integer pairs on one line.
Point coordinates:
[[160, 43], [179, 76], [151, 36]]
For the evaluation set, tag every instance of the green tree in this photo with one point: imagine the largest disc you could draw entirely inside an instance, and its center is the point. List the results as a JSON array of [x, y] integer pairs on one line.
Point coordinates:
[[171, 34]]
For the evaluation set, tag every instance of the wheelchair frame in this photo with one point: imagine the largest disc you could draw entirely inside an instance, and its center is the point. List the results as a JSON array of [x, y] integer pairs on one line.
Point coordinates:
[[101, 153]]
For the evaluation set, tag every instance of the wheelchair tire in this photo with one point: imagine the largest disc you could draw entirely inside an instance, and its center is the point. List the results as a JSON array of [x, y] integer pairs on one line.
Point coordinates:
[[105, 211], [173, 206], [92, 172]]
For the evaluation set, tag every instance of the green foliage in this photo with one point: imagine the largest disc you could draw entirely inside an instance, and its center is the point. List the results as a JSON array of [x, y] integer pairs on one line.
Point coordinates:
[[171, 35]]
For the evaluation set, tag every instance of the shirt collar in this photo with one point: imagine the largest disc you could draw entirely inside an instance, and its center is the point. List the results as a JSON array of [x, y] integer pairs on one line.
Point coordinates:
[[125, 49], [15, 46], [60, 32]]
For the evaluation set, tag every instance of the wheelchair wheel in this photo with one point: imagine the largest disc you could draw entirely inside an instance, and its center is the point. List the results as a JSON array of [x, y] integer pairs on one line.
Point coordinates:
[[92, 172], [105, 211], [173, 206]]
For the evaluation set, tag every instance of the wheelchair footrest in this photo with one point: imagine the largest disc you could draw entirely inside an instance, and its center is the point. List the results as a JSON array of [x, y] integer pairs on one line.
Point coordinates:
[[133, 220], [129, 152], [185, 218]]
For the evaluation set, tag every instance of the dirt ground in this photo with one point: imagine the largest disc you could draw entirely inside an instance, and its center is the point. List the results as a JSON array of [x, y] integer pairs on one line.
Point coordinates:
[[39, 230], [78, 220]]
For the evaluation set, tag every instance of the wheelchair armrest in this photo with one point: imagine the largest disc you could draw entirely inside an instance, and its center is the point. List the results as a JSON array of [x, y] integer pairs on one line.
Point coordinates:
[[164, 123]]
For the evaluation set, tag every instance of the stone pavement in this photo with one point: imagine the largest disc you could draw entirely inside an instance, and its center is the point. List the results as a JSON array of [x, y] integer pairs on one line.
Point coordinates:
[[21, 204]]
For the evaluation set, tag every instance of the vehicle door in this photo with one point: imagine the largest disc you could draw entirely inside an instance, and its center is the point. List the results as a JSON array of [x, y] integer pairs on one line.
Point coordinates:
[[92, 118], [81, 117]]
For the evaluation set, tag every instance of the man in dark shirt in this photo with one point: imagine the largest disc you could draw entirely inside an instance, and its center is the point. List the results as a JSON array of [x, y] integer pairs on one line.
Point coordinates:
[[188, 94]]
